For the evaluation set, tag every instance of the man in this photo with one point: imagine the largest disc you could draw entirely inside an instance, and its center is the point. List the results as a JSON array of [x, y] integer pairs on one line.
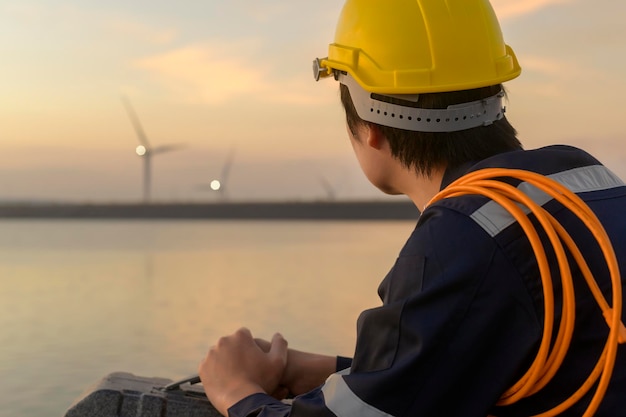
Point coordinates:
[[464, 313]]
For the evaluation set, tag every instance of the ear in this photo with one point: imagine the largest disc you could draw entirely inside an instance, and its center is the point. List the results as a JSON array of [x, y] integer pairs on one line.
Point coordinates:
[[375, 138]]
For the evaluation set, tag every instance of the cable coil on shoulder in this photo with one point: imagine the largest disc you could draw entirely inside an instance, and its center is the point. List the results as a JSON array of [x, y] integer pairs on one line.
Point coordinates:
[[549, 358]]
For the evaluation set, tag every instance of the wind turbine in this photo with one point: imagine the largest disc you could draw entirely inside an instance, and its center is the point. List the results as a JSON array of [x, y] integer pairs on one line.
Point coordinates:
[[144, 149], [330, 190], [219, 184]]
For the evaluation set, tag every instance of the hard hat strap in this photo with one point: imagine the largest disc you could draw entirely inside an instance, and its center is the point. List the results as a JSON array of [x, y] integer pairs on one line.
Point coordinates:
[[373, 108]]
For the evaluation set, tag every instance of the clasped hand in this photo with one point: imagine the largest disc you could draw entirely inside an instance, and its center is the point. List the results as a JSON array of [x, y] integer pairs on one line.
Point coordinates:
[[237, 367]]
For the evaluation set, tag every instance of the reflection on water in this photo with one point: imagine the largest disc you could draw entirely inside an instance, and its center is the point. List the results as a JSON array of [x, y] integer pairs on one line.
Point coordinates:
[[81, 299]]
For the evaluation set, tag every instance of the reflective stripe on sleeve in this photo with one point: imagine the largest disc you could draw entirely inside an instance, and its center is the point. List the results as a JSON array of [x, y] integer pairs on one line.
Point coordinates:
[[340, 399], [494, 219]]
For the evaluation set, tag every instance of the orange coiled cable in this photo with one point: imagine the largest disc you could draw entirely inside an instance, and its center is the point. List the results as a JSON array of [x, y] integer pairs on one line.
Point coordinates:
[[549, 358]]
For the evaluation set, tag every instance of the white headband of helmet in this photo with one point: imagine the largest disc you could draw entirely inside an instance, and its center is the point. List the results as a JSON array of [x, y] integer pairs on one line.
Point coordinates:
[[374, 108]]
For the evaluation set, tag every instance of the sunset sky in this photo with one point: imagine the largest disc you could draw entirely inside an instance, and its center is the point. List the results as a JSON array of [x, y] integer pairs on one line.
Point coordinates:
[[222, 76]]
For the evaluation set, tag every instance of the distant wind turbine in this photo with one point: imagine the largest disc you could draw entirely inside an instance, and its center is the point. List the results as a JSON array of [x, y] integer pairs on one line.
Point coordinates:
[[330, 190], [219, 184], [144, 149]]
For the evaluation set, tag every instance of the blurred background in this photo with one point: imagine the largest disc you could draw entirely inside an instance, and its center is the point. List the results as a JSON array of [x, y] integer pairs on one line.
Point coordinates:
[[225, 89], [130, 101]]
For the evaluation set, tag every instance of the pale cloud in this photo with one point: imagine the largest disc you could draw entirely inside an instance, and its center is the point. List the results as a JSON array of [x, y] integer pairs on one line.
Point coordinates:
[[551, 77], [542, 65], [139, 31], [24, 12], [261, 11], [559, 68], [56, 20], [510, 9]]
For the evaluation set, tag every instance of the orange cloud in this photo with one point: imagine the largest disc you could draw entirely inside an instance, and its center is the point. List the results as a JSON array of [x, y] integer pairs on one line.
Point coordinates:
[[214, 73], [206, 72], [510, 9]]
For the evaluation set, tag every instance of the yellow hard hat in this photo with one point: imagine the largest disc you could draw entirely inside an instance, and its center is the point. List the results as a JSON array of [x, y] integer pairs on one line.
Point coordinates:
[[419, 46]]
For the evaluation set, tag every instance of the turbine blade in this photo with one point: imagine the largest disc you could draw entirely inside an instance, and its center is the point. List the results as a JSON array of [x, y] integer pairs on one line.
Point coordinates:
[[143, 139], [167, 148], [330, 191], [227, 166]]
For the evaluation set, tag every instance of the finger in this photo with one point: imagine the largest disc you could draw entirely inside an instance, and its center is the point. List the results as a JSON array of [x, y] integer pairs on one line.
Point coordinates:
[[278, 348], [245, 331], [244, 334]]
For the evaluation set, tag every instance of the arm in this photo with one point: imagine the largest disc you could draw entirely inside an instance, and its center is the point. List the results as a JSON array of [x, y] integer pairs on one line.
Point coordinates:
[[456, 328], [304, 371]]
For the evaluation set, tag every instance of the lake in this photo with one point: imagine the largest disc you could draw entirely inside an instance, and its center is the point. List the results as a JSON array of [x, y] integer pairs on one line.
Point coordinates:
[[82, 299]]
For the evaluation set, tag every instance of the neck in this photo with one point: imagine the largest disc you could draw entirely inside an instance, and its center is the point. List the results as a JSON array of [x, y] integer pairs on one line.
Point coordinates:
[[421, 189]]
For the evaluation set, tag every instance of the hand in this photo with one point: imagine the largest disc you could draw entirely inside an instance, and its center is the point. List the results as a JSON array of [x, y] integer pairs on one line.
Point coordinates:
[[303, 372], [237, 367]]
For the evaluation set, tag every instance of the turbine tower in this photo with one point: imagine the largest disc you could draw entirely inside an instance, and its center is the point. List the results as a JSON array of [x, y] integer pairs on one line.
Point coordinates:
[[144, 150]]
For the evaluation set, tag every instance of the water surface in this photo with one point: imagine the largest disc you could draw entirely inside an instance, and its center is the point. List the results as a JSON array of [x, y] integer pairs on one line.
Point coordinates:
[[81, 299]]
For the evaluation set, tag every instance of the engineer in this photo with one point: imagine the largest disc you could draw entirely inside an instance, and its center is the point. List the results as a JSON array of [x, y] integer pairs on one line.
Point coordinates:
[[467, 308]]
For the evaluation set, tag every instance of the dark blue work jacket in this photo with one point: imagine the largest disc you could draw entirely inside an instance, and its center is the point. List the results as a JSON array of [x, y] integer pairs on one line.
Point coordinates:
[[462, 312]]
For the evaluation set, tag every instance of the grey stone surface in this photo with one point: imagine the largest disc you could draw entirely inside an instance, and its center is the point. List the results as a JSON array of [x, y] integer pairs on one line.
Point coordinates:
[[123, 394]]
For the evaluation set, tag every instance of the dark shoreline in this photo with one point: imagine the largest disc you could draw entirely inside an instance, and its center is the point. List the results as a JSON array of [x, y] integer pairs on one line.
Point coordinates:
[[321, 210]]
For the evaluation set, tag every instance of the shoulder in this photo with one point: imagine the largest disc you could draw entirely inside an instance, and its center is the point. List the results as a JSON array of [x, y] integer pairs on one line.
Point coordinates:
[[546, 160], [448, 245]]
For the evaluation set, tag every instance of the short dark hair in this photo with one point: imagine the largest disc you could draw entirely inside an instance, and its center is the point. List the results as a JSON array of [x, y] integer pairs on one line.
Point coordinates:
[[425, 151]]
